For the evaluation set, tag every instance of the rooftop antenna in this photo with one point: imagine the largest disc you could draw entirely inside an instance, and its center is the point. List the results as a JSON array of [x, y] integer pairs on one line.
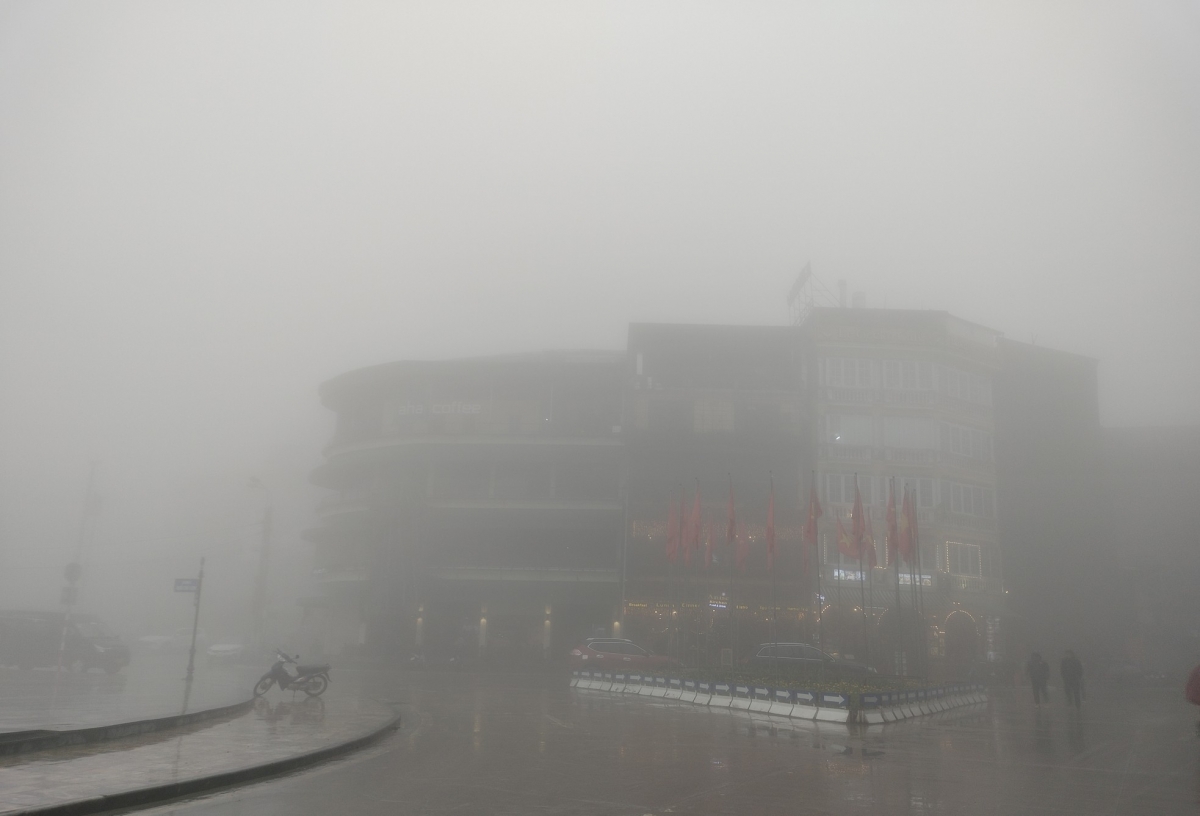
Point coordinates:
[[800, 297]]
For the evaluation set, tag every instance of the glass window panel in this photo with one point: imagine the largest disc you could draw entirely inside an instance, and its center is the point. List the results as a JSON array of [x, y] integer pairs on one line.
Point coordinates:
[[864, 373], [925, 375], [909, 432], [891, 373], [834, 489], [835, 371], [909, 372], [926, 494], [850, 429]]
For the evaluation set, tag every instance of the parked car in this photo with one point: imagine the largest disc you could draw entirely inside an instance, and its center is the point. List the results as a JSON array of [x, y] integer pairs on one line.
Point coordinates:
[[180, 641], [33, 639], [802, 657], [226, 652], [618, 654]]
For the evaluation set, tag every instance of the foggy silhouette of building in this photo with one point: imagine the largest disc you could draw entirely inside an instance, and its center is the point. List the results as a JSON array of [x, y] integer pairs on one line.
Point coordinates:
[[1153, 562], [1053, 509], [507, 507]]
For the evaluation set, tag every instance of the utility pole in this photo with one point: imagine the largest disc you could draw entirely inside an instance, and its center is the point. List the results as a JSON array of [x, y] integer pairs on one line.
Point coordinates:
[[260, 586], [195, 625]]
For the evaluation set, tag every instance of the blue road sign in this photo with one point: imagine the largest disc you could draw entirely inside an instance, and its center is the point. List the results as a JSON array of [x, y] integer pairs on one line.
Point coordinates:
[[187, 584]]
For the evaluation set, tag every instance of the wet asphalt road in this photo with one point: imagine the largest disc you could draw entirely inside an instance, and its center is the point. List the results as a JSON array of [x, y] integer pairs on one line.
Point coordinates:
[[151, 686], [516, 745]]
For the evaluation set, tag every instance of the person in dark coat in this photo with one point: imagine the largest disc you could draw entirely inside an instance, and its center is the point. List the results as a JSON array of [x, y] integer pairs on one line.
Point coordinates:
[[1072, 676], [1039, 676]]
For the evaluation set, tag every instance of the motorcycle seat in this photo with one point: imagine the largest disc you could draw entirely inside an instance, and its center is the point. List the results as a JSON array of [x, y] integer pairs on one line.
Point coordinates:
[[314, 669]]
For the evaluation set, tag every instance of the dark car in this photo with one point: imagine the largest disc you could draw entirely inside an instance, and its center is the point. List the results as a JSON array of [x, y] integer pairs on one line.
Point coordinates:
[[617, 654], [803, 657], [31, 639]]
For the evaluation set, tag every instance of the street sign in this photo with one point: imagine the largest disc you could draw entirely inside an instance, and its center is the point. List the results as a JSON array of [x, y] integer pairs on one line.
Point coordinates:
[[70, 595], [187, 584]]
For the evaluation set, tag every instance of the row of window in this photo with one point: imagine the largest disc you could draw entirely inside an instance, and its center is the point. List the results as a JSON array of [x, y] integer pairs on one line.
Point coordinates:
[[957, 497], [968, 560], [909, 375], [953, 557], [523, 481], [913, 433], [839, 489]]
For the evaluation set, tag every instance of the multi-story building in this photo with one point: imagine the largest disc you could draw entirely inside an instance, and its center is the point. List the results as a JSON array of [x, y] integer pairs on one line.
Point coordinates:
[[904, 399], [477, 506], [513, 505]]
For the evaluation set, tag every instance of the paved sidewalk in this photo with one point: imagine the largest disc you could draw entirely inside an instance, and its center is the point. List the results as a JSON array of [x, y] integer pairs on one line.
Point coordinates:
[[150, 687], [277, 728]]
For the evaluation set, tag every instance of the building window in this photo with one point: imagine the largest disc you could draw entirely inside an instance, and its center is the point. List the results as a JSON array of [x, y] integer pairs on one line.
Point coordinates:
[[713, 416], [852, 372], [962, 559], [909, 432], [849, 429], [839, 488], [969, 500], [964, 386]]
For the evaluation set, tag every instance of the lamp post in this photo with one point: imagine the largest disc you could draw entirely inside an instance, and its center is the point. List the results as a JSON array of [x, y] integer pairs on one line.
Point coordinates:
[[260, 585]]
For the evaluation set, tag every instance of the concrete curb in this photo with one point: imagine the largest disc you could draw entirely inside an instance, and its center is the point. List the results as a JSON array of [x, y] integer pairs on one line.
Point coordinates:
[[20, 742], [159, 794]]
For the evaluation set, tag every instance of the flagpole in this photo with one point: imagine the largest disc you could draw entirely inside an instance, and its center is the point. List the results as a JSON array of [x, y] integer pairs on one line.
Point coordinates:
[[912, 576], [895, 551], [862, 578], [675, 616], [921, 595], [819, 546], [871, 583], [771, 568], [732, 542]]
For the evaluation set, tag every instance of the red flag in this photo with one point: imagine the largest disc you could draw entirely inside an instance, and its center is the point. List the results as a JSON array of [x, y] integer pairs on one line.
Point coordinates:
[[810, 528], [904, 531], [913, 537], [731, 519], [858, 529], [771, 528], [672, 533], [694, 522], [893, 533], [743, 546], [708, 546], [845, 544], [869, 544]]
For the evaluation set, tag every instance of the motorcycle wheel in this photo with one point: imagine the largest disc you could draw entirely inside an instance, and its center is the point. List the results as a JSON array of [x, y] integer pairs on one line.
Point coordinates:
[[316, 686], [263, 685]]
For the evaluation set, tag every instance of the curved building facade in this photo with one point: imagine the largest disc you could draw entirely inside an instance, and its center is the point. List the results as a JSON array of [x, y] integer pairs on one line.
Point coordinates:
[[477, 507]]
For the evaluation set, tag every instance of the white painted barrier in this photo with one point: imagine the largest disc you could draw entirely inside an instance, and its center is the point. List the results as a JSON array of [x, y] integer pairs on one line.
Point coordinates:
[[868, 709]]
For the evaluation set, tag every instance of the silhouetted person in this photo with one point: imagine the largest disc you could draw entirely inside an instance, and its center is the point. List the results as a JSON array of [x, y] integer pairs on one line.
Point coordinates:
[[1039, 676], [1072, 676], [1192, 691]]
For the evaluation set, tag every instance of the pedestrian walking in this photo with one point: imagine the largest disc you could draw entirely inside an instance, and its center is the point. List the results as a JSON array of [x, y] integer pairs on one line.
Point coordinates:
[[1039, 676], [1072, 676], [1192, 691]]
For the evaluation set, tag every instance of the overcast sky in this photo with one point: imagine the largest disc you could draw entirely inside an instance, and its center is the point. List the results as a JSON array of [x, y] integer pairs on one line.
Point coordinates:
[[208, 208]]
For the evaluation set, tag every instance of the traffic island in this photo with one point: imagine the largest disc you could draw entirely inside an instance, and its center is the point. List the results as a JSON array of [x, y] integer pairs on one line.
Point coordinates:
[[825, 705], [274, 737]]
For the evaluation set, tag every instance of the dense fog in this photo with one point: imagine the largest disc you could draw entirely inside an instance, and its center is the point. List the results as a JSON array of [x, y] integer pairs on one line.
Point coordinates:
[[208, 209]]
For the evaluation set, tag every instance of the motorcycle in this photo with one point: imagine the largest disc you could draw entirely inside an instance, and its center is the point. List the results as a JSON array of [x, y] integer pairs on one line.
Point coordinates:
[[312, 680]]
